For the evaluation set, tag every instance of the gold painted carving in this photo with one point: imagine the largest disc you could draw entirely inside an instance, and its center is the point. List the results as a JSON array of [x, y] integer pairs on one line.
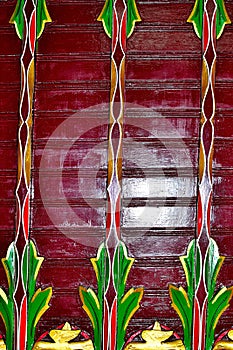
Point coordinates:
[[156, 339], [62, 340], [224, 344], [2, 345]]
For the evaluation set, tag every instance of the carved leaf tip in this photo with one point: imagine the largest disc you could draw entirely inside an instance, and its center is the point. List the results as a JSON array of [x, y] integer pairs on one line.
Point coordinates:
[[196, 17], [42, 17]]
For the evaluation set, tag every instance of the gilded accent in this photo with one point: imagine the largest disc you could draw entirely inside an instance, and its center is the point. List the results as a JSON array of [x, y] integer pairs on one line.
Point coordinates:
[[2, 345], [225, 344], [156, 339], [62, 338]]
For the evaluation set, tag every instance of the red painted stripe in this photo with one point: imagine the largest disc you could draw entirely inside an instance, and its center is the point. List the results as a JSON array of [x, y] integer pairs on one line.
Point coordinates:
[[118, 215], [32, 31], [23, 324], [196, 324], [113, 325], [26, 216], [200, 215], [206, 33], [203, 325], [105, 325], [123, 31], [115, 30], [209, 213]]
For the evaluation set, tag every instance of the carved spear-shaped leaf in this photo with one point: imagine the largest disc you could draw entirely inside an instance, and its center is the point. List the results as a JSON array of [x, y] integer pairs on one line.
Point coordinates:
[[38, 301], [182, 301], [106, 17], [42, 17], [92, 303], [127, 304], [6, 301], [220, 302], [196, 17], [222, 18], [132, 16]]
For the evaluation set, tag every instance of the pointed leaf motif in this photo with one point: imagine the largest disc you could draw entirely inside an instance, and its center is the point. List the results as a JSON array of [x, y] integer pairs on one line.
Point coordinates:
[[92, 303], [18, 18], [132, 16], [6, 301], [36, 308], [101, 267], [196, 17], [38, 301], [222, 18], [9, 263], [31, 266], [127, 307], [219, 303], [106, 17], [192, 266], [215, 309], [121, 267], [183, 301], [93, 308], [213, 264], [182, 305], [127, 304], [42, 17]]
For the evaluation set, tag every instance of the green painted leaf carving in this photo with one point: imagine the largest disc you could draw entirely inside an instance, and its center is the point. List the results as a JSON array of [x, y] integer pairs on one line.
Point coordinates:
[[38, 301], [192, 266], [42, 17], [101, 267], [127, 304], [182, 305], [9, 264], [216, 307], [6, 301], [127, 307], [106, 17], [222, 18], [212, 266], [182, 301], [31, 266], [18, 18], [196, 17], [132, 16], [121, 267], [93, 308], [36, 308], [92, 303], [219, 303]]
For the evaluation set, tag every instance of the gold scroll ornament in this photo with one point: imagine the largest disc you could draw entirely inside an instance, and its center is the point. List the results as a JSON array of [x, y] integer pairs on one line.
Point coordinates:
[[62, 340], [156, 339], [224, 344]]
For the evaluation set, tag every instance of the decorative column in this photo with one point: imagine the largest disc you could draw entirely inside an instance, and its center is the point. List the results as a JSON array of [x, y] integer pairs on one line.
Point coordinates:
[[200, 308], [113, 307], [22, 308]]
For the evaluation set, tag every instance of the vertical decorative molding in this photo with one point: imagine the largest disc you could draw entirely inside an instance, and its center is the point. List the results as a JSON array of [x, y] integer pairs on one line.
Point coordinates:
[[200, 308], [29, 19], [112, 264]]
